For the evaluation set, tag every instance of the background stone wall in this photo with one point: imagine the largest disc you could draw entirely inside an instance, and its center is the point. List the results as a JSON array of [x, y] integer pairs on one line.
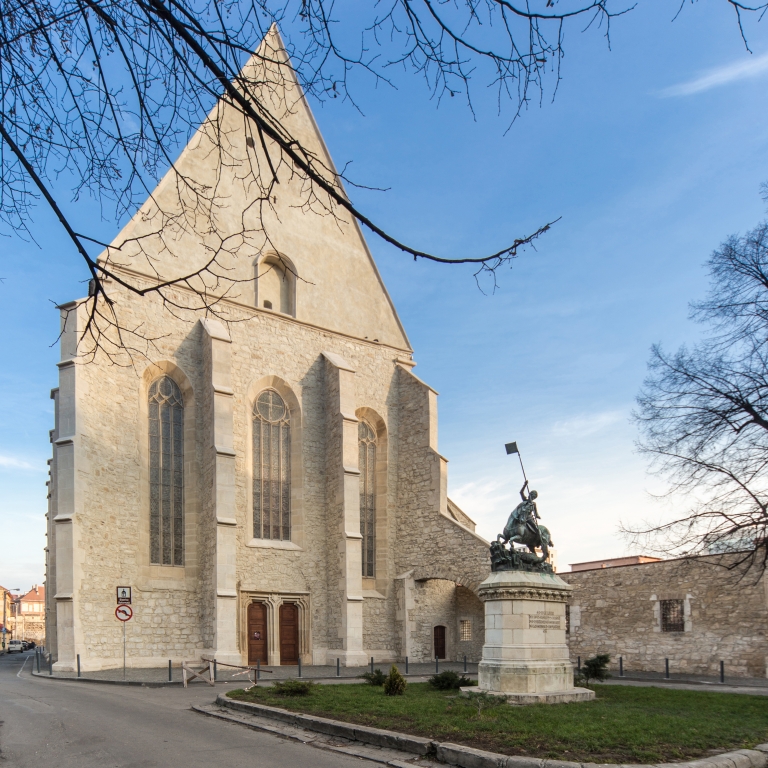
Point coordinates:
[[616, 611]]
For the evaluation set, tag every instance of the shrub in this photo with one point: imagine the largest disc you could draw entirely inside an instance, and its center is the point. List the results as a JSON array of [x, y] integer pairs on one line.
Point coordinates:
[[595, 668], [395, 683], [449, 681], [377, 677], [293, 687]]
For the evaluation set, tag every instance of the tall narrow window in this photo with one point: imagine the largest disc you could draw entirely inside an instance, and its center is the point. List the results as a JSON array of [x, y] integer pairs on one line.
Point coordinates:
[[271, 467], [367, 444], [166, 473]]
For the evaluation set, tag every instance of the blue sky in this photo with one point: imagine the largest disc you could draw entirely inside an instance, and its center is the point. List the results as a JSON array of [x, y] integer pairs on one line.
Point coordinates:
[[652, 153]]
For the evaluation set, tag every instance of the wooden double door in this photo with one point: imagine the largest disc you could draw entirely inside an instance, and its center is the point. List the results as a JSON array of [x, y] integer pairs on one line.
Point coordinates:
[[258, 645]]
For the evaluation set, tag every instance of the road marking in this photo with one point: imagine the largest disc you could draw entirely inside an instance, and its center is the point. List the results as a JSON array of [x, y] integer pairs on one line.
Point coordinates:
[[18, 674]]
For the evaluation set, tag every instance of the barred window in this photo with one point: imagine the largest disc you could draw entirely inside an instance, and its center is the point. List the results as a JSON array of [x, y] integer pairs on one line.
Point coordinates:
[[672, 616], [465, 629], [271, 467], [166, 473], [367, 445]]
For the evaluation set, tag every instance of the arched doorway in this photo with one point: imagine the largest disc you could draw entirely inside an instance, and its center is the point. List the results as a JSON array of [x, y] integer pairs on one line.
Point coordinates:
[[289, 634], [257, 633]]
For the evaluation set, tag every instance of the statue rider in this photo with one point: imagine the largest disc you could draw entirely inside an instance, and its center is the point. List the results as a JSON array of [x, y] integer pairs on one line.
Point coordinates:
[[523, 516]]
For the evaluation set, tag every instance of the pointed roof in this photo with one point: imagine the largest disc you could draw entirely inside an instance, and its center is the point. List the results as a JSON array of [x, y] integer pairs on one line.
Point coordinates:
[[217, 201]]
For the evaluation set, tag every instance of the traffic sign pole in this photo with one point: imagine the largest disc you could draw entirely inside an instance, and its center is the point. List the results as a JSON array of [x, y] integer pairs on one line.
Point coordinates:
[[124, 623], [124, 613]]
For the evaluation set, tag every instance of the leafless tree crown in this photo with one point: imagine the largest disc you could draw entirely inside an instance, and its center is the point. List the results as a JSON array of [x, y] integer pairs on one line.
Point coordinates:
[[703, 414], [97, 96]]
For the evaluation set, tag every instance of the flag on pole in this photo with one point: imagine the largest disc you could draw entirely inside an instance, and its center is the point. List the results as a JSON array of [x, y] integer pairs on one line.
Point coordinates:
[[511, 448]]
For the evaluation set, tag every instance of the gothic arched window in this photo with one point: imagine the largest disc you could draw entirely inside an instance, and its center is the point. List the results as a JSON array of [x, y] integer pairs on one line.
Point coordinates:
[[367, 443], [166, 473], [271, 467]]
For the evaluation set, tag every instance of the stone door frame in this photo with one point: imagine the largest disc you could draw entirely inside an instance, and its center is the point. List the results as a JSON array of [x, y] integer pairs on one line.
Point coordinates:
[[273, 601]]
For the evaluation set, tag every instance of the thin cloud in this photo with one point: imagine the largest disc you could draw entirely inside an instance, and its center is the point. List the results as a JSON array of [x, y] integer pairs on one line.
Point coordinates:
[[11, 462], [730, 73], [587, 424]]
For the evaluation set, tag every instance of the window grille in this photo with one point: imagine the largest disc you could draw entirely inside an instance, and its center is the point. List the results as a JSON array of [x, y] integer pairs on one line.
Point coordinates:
[[367, 445], [465, 629], [271, 467], [166, 473], [672, 616]]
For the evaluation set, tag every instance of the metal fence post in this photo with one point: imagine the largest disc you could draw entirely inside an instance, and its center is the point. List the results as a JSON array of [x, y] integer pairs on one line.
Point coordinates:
[[406, 665], [578, 663], [666, 668], [722, 671], [465, 662], [371, 664], [50, 664], [299, 666], [38, 661], [170, 671], [621, 666], [437, 665], [338, 667], [215, 671], [258, 669], [78, 665]]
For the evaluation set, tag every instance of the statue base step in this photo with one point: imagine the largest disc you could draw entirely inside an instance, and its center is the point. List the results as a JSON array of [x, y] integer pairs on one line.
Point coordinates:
[[551, 697]]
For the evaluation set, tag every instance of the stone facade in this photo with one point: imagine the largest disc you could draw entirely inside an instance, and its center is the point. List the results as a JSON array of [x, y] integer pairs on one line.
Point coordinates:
[[336, 354], [723, 616]]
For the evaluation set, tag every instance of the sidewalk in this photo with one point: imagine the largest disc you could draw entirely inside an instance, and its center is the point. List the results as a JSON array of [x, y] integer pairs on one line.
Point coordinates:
[[713, 680], [159, 676]]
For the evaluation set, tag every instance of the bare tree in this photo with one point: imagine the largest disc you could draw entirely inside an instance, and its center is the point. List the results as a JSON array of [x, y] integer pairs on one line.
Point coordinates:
[[97, 96], [703, 414]]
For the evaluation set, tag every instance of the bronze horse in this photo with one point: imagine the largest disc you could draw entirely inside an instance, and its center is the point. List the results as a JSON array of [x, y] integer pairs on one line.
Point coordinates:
[[523, 528]]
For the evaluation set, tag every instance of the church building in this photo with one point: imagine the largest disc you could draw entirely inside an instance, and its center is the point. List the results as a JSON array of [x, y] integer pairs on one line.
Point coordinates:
[[264, 474]]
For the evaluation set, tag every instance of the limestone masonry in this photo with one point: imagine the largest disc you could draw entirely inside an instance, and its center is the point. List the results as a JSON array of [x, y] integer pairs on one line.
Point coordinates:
[[271, 487], [693, 612]]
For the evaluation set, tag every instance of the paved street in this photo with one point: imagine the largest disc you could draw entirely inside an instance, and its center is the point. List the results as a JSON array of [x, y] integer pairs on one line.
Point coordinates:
[[88, 725]]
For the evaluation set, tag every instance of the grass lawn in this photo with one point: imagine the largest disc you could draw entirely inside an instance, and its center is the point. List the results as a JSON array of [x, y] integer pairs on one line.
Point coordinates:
[[623, 723]]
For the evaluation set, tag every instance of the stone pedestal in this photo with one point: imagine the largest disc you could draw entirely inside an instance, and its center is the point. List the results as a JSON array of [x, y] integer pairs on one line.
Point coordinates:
[[525, 656]]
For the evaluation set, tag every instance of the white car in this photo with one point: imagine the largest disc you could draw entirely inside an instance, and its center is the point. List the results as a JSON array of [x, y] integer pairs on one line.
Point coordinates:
[[15, 645]]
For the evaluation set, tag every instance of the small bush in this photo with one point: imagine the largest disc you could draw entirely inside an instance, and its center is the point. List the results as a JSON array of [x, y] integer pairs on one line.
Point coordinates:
[[377, 677], [595, 668], [395, 683], [449, 681], [293, 687]]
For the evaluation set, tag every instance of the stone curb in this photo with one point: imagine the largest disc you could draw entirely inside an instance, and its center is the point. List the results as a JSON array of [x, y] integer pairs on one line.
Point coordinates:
[[467, 757]]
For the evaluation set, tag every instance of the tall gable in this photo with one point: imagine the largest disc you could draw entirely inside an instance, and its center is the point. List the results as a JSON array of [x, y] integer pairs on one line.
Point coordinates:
[[213, 206]]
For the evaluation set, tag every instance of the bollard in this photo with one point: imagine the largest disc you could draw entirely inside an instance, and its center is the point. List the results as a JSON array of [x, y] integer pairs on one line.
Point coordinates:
[[406, 665], [621, 667], [299, 666], [215, 671], [258, 669], [78, 665], [50, 664], [338, 667], [722, 671], [170, 671], [465, 662], [371, 664], [578, 663], [38, 661], [666, 668], [437, 665]]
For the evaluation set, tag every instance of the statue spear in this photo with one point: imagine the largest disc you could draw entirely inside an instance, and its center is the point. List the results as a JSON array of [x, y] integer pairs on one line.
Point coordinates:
[[512, 448]]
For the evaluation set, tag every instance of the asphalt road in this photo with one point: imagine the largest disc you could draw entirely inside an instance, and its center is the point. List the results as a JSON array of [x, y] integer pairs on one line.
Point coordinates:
[[58, 724]]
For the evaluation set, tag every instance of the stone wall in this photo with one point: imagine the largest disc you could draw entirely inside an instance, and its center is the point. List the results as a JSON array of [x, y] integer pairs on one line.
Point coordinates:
[[617, 611]]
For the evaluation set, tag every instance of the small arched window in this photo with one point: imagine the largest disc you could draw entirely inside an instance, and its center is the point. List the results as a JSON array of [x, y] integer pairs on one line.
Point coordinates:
[[367, 445], [166, 473], [271, 467], [276, 284]]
